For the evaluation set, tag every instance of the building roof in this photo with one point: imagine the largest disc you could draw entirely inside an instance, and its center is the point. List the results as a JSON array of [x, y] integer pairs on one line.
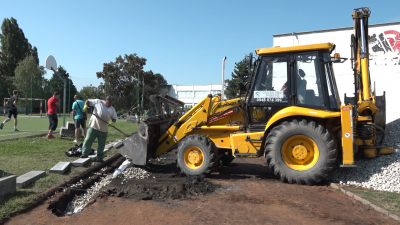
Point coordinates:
[[335, 29], [298, 48]]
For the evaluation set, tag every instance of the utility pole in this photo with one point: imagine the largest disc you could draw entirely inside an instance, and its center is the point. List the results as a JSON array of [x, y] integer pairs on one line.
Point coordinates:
[[31, 92], [142, 93], [138, 87], [223, 78], [69, 93]]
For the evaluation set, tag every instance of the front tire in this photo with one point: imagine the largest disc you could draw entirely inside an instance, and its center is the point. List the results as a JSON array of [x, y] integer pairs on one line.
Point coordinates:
[[302, 152], [197, 155]]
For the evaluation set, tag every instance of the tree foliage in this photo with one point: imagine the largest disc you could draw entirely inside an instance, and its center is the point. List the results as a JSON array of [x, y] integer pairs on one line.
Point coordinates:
[[124, 79], [239, 75], [14, 48], [29, 79], [91, 92]]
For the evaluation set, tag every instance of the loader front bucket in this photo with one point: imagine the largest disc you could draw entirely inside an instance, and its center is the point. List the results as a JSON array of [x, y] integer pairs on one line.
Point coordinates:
[[135, 147], [143, 144]]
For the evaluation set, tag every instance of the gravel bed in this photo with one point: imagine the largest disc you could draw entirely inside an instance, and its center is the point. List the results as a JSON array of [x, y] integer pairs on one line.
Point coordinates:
[[80, 201], [381, 173]]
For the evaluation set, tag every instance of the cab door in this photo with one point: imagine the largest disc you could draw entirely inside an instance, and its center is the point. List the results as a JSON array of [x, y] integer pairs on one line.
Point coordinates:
[[270, 91], [309, 84]]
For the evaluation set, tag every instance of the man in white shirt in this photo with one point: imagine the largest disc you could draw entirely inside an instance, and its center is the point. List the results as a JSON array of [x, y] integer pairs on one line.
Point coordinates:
[[98, 128]]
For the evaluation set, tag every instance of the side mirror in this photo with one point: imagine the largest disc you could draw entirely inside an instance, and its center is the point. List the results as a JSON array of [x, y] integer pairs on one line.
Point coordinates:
[[241, 88], [249, 61]]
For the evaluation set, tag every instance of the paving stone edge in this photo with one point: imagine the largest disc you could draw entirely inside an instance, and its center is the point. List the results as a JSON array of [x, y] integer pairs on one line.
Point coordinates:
[[365, 202]]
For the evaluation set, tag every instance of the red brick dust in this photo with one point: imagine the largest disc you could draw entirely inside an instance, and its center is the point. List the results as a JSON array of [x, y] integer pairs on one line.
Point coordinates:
[[245, 193]]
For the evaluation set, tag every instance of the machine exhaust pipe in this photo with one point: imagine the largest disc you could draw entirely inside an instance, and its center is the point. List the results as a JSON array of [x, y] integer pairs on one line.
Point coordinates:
[[223, 78]]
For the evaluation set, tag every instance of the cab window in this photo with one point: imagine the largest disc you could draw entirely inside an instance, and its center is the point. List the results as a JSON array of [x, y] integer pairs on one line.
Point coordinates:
[[308, 80], [271, 84]]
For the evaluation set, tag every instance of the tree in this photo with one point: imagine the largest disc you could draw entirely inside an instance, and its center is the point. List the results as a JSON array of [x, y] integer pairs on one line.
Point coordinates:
[[4, 80], [14, 48], [239, 75], [56, 84], [29, 79], [124, 80], [91, 92]]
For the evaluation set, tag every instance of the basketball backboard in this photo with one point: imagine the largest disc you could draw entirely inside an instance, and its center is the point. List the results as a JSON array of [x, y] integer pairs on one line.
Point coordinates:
[[51, 63]]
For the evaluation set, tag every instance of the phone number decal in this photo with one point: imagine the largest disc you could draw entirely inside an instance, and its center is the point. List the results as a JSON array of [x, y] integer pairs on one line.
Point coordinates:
[[268, 100]]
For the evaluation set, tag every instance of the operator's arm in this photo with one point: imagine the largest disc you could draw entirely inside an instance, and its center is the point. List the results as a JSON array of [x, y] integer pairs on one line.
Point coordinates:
[[58, 103], [91, 102], [114, 115], [73, 109]]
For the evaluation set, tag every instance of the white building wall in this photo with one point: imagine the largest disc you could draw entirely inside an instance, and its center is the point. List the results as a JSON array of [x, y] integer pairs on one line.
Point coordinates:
[[193, 93], [384, 61]]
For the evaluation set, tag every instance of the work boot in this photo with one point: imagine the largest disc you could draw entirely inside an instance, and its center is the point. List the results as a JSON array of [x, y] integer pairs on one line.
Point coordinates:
[[83, 156], [1, 126], [100, 160]]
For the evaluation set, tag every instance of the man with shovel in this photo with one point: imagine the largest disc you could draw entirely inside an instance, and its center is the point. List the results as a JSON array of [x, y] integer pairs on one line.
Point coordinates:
[[98, 125]]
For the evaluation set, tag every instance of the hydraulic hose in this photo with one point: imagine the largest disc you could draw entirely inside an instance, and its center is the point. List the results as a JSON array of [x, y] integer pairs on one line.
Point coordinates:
[[365, 132]]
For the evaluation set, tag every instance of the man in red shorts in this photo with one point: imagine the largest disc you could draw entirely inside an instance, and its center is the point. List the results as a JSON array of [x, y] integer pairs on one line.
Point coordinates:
[[52, 105]]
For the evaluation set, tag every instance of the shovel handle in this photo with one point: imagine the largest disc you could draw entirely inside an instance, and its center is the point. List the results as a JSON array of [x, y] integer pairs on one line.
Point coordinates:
[[98, 117]]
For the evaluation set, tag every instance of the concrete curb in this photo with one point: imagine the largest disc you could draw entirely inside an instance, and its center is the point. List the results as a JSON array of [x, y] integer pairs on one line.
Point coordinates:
[[365, 202]]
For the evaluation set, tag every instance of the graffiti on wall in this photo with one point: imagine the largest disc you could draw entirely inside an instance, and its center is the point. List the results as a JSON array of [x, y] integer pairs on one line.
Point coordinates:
[[385, 48]]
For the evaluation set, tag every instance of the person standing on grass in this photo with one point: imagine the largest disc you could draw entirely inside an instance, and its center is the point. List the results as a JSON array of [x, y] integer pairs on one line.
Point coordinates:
[[52, 105], [79, 118], [98, 125], [12, 110]]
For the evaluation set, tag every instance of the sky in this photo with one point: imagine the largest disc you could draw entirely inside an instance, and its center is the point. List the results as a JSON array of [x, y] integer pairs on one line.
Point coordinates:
[[185, 40]]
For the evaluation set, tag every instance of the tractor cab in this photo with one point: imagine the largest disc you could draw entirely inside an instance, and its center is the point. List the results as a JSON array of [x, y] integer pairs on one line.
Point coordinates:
[[292, 76]]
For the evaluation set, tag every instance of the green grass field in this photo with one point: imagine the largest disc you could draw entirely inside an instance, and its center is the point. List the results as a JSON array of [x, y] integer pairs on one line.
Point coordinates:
[[28, 126], [20, 156]]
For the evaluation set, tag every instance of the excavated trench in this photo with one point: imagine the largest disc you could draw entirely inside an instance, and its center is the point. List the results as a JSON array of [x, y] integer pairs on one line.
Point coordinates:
[[160, 180]]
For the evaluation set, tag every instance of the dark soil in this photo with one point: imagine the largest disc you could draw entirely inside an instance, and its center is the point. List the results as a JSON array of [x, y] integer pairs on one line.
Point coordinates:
[[173, 188], [165, 182]]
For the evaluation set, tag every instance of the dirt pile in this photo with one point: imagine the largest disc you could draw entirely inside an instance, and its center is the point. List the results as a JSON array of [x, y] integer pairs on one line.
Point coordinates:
[[161, 189]]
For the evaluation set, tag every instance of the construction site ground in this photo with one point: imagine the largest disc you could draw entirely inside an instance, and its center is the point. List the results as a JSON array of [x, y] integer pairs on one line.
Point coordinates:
[[245, 192]]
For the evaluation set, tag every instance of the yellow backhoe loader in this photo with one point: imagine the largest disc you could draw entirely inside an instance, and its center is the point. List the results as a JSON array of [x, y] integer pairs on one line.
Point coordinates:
[[290, 113]]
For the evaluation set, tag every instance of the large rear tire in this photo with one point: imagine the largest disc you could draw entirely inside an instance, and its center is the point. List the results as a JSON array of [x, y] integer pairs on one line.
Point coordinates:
[[197, 155], [302, 152]]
